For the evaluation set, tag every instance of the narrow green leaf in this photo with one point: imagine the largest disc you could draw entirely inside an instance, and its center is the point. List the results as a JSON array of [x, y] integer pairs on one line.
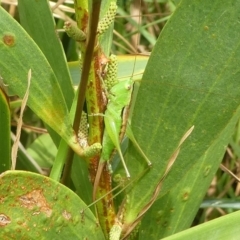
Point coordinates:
[[131, 66], [225, 203], [191, 79], [36, 207], [25, 161], [151, 39], [5, 162], [176, 1], [226, 227], [37, 20], [126, 64], [81, 181], [19, 54], [43, 151]]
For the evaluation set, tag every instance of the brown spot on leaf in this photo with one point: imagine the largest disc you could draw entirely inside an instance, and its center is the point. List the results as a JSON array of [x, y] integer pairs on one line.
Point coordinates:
[[66, 215], [185, 196], [9, 39], [36, 200], [4, 220], [2, 198]]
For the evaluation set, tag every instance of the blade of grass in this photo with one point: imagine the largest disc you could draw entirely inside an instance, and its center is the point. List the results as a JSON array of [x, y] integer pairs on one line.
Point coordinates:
[[5, 162], [226, 227]]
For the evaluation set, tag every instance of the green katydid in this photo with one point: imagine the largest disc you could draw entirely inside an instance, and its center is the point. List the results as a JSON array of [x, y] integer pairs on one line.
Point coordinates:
[[119, 98], [115, 119]]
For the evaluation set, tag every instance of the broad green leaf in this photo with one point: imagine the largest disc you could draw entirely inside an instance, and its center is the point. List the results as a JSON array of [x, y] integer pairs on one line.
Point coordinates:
[[182, 202], [5, 163], [19, 54], [32, 16], [36, 207], [192, 78], [128, 66], [226, 227]]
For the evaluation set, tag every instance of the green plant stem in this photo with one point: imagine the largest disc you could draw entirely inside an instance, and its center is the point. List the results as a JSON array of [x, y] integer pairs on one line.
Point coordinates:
[[84, 80], [67, 168]]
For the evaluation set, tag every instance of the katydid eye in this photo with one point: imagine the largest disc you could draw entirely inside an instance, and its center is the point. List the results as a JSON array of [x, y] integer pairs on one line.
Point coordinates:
[[128, 86]]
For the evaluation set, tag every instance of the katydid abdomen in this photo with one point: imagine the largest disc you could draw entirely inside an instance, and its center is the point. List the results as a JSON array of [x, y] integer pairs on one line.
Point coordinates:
[[119, 98]]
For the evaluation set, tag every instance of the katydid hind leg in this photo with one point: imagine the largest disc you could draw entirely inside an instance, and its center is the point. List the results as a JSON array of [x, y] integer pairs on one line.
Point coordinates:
[[113, 132], [130, 135], [123, 161]]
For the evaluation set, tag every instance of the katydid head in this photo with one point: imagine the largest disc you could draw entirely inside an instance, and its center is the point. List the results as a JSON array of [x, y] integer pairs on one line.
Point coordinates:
[[122, 92], [128, 86]]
